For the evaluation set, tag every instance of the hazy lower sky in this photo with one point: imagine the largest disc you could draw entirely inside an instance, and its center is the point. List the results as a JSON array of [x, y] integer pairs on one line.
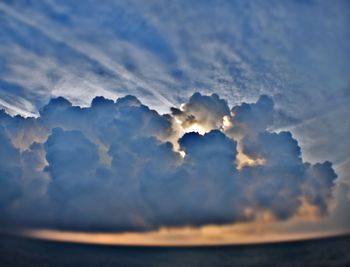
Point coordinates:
[[291, 143]]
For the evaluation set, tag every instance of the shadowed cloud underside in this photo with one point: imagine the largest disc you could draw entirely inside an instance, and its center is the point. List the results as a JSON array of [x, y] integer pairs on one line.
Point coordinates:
[[121, 166]]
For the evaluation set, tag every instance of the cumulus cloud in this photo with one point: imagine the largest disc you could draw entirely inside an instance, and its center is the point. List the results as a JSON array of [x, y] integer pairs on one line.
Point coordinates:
[[119, 165], [250, 119], [10, 171], [206, 111]]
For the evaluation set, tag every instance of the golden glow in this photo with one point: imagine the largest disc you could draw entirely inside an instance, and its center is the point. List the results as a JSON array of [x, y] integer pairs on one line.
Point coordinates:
[[187, 236], [182, 153], [308, 211], [226, 123], [264, 229], [244, 160], [196, 127]]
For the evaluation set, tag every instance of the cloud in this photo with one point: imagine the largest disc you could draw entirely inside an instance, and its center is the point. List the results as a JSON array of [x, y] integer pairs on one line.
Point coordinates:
[[164, 52], [254, 117], [206, 111], [171, 50], [119, 165], [10, 171]]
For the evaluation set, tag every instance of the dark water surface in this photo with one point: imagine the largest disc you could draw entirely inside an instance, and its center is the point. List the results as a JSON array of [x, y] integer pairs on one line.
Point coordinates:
[[18, 251]]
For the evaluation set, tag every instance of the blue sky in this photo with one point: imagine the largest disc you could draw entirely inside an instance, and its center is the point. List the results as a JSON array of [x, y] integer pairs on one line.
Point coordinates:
[[296, 52], [160, 52]]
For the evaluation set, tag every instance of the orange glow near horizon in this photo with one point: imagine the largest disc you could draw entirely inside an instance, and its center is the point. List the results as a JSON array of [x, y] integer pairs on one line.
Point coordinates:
[[265, 228], [211, 235]]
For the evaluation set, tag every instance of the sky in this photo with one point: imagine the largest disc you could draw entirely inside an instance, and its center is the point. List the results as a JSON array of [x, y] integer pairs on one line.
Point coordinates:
[[213, 113]]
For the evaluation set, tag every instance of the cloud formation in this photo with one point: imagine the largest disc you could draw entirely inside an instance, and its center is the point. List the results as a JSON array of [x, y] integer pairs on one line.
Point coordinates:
[[119, 165]]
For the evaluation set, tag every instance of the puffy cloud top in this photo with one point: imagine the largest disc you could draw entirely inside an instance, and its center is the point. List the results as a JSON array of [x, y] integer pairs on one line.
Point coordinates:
[[119, 165], [206, 111]]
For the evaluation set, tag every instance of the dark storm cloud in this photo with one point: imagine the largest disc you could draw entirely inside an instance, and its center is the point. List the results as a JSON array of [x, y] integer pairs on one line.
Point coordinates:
[[119, 165]]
